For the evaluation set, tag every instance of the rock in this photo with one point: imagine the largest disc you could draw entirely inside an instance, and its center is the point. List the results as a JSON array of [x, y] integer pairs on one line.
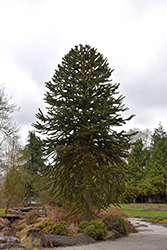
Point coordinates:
[[13, 217], [83, 239], [23, 209], [12, 245], [51, 240], [5, 222], [113, 235], [8, 231], [12, 239], [58, 240], [140, 225]]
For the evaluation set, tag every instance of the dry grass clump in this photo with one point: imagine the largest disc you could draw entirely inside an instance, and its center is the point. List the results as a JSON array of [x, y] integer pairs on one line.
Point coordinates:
[[57, 214], [115, 211]]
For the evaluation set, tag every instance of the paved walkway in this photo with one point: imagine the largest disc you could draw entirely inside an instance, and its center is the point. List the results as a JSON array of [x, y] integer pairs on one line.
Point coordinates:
[[150, 237]]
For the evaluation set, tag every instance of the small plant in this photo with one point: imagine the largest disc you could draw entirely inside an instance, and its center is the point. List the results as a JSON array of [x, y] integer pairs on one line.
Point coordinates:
[[31, 217], [60, 229], [2, 211], [118, 224], [157, 219], [20, 228], [163, 221], [45, 224], [96, 230]]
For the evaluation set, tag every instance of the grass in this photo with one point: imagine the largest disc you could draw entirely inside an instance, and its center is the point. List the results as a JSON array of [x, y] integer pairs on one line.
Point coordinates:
[[145, 210]]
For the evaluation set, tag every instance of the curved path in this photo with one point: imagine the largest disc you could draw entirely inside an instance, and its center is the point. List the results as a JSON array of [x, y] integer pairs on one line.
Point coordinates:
[[150, 237]]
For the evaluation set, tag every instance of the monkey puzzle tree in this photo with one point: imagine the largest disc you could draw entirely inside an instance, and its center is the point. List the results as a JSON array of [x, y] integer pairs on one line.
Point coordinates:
[[87, 154]]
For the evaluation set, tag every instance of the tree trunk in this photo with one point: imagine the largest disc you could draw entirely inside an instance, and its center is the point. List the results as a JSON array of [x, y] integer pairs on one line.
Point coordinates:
[[86, 194], [8, 205]]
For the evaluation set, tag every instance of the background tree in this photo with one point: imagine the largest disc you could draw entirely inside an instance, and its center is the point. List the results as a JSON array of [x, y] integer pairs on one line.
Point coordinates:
[[157, 171], [8, 129], [158, 134], [136, 171], [145, 135], [10, 149], [14, 176], [34, 162], [86, 153]]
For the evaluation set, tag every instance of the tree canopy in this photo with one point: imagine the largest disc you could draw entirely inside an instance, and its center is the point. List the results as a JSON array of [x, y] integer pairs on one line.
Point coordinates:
[[147, 166], [86, 152]]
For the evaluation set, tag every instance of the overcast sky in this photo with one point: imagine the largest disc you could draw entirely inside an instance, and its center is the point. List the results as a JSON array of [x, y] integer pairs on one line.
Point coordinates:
[[36, 34]]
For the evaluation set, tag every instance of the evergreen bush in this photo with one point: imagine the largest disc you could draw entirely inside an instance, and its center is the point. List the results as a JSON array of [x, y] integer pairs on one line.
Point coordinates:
[[60, 229], [116, 223], [82, 225], [96, 230]]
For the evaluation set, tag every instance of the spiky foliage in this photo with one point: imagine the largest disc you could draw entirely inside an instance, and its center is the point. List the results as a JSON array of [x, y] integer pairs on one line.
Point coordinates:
[[87, 154]]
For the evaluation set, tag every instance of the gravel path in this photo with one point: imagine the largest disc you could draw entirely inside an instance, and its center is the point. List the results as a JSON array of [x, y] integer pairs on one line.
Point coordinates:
[[150, 237]]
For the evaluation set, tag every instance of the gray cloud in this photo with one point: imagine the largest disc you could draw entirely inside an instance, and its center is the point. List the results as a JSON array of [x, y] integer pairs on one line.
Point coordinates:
[[145, 90], [138, 8], [38, 57], [41, 32], [148, 88]]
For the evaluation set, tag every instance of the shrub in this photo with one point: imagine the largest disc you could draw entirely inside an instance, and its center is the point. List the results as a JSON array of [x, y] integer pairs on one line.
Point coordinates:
[[108, 222], [118, 224], [96, 230], [82, 225], [163, 221], [60, 229]]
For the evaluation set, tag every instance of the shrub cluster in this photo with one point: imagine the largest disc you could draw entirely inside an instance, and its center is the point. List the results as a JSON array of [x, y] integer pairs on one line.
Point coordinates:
[[60, 228], [95, 229]]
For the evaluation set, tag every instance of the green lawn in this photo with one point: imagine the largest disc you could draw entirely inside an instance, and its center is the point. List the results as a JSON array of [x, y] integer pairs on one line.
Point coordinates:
[[144, 210]]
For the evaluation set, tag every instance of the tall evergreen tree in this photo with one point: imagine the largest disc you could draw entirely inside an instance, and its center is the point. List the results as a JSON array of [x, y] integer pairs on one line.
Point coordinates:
[[86, 153], [157, 170], [34, 148], [136, 170], [158, 134], [34, 164]]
